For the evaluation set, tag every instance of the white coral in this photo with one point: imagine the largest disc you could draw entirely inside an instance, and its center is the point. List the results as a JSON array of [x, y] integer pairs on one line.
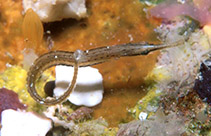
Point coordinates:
[[22, 123], [56, 10]]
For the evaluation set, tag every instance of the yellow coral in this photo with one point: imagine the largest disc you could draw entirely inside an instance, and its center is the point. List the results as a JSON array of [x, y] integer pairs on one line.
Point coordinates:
[[158, 74], [151, 99], [14, 78], [110, 131]]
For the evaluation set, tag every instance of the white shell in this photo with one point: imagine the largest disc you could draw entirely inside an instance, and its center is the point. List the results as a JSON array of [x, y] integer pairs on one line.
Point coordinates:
[[89, 85], [22, 123]]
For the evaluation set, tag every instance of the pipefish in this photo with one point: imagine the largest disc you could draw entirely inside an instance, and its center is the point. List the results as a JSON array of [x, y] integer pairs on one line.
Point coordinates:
[[81, 58]]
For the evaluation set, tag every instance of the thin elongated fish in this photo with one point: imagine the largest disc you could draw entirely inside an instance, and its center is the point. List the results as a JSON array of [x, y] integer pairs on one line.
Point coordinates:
[[81, 58]]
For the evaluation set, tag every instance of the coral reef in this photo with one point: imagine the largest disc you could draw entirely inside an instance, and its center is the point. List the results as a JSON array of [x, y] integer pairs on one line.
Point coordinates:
[[94, 128], [171, 106], [80, 114], [181, 66], [64, 115], [171, 85], [97, 127], [176, 67], [157, 125]]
